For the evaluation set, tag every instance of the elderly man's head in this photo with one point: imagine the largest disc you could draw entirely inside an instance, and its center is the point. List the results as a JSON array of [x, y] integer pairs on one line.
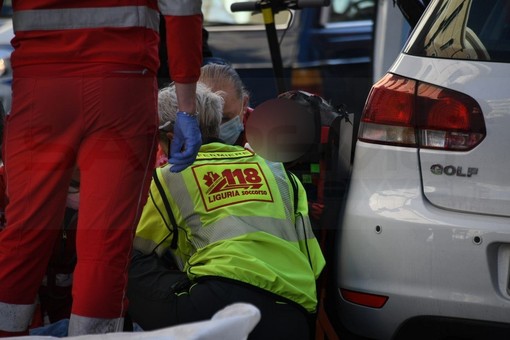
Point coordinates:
[[209, 108]]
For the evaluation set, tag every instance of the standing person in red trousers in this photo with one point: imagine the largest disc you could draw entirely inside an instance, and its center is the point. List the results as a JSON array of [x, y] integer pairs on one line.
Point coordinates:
[[85, 93]]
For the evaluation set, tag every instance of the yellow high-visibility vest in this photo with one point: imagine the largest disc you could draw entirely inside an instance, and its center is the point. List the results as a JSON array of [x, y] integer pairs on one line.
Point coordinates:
[[237, 218]]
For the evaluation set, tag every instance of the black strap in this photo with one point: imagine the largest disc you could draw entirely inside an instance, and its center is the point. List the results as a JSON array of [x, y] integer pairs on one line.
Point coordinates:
[[162, 193], [296, 213], [294, 189]]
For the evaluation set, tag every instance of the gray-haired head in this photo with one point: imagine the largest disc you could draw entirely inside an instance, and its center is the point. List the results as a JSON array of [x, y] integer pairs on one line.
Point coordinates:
[[209, 108], [216, 76], [225, 80]]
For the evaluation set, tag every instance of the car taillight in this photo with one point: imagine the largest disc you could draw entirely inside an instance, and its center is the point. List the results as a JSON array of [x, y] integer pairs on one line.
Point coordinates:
[[364, 299], [405, 112]]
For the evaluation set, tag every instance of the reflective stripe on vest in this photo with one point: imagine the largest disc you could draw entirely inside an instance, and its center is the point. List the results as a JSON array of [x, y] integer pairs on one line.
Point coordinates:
[[180, 7], [148, 246], [15, 318], [80, 18], [230, 227], [82, 325]]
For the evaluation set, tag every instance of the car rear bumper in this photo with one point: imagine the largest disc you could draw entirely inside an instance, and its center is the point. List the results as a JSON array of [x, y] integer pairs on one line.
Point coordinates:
[[428, 261]]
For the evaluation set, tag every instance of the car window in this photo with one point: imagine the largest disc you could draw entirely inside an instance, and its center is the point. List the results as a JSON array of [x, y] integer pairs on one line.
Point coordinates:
[[464, 29], [217, 12], [349, 10]]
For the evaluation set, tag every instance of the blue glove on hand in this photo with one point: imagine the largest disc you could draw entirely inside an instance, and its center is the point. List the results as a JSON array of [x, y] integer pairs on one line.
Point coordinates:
[[186, 142]]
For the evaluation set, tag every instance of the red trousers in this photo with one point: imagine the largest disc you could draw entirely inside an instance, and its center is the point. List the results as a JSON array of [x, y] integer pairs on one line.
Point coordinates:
[[107, 126]]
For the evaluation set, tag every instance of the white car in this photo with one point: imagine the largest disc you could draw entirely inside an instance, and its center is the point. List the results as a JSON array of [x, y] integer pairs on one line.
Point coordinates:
[[423, 246]]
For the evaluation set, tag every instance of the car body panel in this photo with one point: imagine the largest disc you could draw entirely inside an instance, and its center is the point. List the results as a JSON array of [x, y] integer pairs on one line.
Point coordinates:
[[488, 191], [385, 191], [436, 245]]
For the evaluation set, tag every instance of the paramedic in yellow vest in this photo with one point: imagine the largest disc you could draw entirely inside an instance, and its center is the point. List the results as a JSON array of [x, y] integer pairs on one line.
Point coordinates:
[[238, 230]]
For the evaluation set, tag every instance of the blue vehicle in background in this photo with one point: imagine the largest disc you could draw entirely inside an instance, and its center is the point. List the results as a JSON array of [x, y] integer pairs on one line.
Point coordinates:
[[324, 50]]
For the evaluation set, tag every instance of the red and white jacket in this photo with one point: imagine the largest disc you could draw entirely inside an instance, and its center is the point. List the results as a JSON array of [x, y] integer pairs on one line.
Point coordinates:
[[107, 32]]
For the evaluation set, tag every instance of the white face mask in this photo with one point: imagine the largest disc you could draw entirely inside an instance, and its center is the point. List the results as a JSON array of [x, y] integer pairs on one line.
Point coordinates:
[[230, 130]]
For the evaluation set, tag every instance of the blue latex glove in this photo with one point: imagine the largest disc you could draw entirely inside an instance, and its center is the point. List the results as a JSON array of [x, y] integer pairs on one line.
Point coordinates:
[[186, 142]]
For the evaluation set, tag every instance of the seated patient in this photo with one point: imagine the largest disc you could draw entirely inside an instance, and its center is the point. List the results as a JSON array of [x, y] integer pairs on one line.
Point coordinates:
[[238, 230]]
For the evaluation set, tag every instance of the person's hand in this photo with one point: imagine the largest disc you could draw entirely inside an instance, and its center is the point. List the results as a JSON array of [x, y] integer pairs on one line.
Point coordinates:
[[186, 142]]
